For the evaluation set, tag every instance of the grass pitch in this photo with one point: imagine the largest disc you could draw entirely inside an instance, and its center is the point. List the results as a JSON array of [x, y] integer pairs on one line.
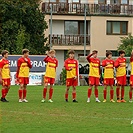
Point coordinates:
[[62, 117]]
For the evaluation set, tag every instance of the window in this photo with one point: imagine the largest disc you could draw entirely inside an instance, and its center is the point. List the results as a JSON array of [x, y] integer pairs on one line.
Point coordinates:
[[124, 1], [57, 1], [75, 1], [115, 2], [114, 52], [52, 1], [64, 1], [117, 27], [71, 27], [102, 1]]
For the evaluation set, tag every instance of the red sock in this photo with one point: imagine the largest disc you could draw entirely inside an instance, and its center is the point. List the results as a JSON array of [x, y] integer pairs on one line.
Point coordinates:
[[118, 93], [130, 95], [66, 96], [122, 93], [74, 95], [96, 93], [50, 93], [3, 91], [44, 93], [104, 93], [111, 94], [89, 92], [20, 94], [6, 91], [24, 93]]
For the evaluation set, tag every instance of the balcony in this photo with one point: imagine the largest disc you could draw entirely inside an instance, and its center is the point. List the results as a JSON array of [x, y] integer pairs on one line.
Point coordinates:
[[72, 8], [69, 40]]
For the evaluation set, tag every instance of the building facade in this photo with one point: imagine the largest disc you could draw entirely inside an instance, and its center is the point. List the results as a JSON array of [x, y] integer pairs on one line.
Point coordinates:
[[106, 22]]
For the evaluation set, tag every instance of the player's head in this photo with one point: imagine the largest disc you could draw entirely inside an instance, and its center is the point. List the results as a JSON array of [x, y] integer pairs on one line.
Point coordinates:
[[5, 53], [25, 52], [121, 53], [109, 54], [71, 54], [52, 53], [95, 52]]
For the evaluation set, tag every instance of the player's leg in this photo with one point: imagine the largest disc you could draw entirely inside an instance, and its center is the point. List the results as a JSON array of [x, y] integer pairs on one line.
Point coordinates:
[[91, 83], [25, 93], [5, 89], [44, 92], [131, 88], [51, 91], [89, 92], [111, 93], [46, 81], [130, 94], [66, 93], [96, 83], [122, 93], [118, 89], [74, 94], [123, 89], [68, 84], [74, 84], [20, 92], [105, 93], [96, 94]]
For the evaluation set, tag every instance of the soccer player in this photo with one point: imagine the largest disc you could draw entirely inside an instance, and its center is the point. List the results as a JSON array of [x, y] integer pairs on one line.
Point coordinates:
[[108, 65], [94, 74], [23, 68], [131, 78], [52, 64], [71, 66], [120, 65], [4, 75]]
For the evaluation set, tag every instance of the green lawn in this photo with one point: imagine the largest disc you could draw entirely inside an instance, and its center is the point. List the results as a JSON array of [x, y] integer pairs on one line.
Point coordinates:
[[62, 117]]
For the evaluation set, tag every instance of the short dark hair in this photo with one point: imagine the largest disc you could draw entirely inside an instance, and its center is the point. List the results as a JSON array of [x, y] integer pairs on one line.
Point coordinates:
[[71, 52], [24, 51], [95, 51], [4, 52], [121, 52], [108, 53]]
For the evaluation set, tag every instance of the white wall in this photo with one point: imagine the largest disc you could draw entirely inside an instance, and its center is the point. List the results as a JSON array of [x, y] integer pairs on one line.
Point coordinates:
[[57, 27]]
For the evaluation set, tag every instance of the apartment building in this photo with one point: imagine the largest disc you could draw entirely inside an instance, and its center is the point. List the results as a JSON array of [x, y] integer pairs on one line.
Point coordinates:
[[106, 22]]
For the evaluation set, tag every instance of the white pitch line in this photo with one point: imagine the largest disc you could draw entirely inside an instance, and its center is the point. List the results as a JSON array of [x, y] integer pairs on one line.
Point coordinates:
[[89, 117]]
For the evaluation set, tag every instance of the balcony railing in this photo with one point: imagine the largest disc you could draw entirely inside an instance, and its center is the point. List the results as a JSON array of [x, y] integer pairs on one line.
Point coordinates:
[[69, 40], [72, 8]]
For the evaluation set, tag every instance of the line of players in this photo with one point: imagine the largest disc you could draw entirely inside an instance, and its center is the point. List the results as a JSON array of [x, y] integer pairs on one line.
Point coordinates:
[[71, 66]]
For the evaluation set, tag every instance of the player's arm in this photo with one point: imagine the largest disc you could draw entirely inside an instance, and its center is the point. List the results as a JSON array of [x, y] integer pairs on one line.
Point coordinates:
[[29, 63], [116, 64], [104, 63], [99, 68], [131, 57], [76, 70], [89, 56], [18, 67], [47, 57], [1, 66]]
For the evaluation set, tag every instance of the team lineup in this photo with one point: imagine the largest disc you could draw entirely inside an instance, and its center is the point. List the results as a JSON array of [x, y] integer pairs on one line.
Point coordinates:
[[71, 66]]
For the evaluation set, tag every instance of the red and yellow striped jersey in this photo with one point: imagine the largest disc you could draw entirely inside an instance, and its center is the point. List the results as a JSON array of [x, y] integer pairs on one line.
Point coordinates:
[[131, 62], [94, 66], [71, 66], [52, 63], [23, 67], [120, 65], [5, 70], [108, 65]]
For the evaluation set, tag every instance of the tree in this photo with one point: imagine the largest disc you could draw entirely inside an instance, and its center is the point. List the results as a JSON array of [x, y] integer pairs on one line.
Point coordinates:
[[126, 44], [22, 25]]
